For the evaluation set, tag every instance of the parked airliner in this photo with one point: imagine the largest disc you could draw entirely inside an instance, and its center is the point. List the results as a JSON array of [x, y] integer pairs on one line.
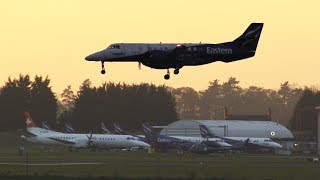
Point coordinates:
[[184, 143], [241, 142], [177, 55], [73, 140]]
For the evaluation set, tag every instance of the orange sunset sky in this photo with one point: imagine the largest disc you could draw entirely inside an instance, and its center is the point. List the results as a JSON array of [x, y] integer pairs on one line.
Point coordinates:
[[53, 37]]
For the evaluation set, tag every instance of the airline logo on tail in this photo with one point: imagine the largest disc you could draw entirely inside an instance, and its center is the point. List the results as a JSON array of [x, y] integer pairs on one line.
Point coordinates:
[[205, 131], [30, 123], [118, 129], [104, 128], [147, 129], [69, 128]]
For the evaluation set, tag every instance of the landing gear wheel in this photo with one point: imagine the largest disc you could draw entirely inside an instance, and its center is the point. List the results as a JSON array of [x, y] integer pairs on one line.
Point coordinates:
[[167, 76], [103, 71], [176, 71]]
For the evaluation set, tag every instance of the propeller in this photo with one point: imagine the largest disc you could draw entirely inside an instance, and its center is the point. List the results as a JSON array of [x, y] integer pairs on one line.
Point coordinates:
[[90, 142]]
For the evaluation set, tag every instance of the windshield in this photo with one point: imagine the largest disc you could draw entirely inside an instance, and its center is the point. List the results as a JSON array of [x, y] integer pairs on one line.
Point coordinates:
[[114, 46]]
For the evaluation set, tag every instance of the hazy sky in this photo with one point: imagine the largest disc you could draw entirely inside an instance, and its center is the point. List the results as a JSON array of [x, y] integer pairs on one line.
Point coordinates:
[[53, 37]]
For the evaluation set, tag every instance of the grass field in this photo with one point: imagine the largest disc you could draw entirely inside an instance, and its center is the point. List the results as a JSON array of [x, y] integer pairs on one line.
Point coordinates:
[[140, 164]]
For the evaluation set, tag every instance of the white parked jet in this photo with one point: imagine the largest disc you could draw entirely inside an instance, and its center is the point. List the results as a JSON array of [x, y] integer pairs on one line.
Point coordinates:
[[72, 140]]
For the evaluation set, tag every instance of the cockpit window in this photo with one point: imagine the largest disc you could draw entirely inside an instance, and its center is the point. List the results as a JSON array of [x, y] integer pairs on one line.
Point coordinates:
[[114, 46]]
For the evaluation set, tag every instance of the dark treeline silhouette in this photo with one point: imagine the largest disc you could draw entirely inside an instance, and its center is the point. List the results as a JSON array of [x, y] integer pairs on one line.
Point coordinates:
[[22, 94], [210, 103], [306, 106], [128, 105], [131, 105]]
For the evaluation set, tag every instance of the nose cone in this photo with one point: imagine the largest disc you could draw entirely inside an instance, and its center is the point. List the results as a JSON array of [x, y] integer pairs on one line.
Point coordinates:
[[143, 144], [276, 145], [98, 56], [90, 57], [224, 144]]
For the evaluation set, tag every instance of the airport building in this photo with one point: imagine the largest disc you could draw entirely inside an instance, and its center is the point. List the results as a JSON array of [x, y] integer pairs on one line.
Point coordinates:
[[236, 126]]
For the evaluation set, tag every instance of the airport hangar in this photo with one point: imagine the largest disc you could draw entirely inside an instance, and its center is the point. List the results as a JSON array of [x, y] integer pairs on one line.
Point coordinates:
[[234, 125]]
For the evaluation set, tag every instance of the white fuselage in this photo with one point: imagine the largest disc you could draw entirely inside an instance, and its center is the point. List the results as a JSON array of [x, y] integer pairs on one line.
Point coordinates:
[[48, 137], [263, 142], [200, 139]]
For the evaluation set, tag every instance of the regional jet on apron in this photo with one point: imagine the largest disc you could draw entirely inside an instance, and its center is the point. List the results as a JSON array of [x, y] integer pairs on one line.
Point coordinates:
[[177, 55]]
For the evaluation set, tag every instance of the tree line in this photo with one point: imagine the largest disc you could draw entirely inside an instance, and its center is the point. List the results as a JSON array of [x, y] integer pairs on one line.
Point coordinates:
[[132, 104]]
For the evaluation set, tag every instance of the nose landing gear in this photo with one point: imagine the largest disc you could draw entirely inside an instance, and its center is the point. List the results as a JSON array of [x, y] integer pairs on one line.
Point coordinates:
[[103, 71]]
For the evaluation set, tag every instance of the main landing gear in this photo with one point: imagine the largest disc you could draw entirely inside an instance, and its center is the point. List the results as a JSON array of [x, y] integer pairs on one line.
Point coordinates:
[[103, 71], [167, 76], [176, 71]]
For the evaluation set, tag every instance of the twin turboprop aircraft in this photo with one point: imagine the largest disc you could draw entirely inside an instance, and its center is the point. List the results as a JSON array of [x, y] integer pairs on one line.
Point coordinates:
[[76, 140], [177, 55]]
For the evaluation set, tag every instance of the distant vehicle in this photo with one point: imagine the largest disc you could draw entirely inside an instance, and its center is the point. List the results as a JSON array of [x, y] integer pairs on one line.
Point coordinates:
[[73, 140], [104, 128], [177, 55], [248, 143], [192, 144]]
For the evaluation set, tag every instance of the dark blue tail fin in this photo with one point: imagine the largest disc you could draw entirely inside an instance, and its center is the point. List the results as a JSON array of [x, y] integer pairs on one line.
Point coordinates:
[[250, 38], [147, 130], [205, 132]]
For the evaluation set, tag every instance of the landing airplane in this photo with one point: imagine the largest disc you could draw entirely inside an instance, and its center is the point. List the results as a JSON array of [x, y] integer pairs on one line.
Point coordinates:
[[72, 140], [242, 142], [177, 55]]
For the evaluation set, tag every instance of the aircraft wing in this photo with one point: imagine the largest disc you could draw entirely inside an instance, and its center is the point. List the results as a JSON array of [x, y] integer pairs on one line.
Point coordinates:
[[29, 134], [62, 141], [164, 54]]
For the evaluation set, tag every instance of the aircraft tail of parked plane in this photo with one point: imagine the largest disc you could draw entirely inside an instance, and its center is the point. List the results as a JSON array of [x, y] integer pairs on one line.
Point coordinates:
[[205, 132], [118, 129], [147, 129], [104, 128], [45, 125], [30, 123], [68, 127]]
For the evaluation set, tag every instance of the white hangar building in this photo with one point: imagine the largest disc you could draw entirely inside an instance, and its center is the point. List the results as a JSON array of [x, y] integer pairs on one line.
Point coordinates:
[[241, 128]]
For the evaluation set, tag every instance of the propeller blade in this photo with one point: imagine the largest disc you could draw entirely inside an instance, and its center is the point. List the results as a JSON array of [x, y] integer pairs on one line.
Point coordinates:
[[139, 65]]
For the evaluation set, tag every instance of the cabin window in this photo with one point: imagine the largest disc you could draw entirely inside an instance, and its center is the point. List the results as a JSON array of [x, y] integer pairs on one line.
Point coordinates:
[[189, 49], [194, 49]]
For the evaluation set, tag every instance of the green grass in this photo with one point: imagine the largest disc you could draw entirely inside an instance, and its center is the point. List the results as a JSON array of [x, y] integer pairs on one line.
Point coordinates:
[[141, 164]]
